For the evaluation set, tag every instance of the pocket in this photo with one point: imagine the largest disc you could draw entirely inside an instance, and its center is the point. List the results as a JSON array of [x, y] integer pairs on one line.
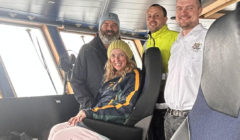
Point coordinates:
[[197, 56], [192, 68], [197, 60]]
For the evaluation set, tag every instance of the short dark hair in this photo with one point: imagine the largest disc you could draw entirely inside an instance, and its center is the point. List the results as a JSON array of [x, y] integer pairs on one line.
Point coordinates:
[[163, 9], [199, 3]]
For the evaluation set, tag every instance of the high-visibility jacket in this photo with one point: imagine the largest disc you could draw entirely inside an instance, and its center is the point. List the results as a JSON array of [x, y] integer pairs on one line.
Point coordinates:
[[164, 39]]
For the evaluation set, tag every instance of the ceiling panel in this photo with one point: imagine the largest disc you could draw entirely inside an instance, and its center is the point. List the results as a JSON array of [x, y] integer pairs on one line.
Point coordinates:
[[132, 13], [82, 3], [145, 1], [231, 7], [22, 1], [135, 12]]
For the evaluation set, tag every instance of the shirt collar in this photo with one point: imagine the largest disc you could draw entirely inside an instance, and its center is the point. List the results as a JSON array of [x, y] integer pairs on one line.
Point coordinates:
[[159, 32], [194, 31]]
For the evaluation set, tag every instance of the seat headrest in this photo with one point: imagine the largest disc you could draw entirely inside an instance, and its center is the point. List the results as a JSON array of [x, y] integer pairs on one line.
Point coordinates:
[[152, 77], [221, 65]]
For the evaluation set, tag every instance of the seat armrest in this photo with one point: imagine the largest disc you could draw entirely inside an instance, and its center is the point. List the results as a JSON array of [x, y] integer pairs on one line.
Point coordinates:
[[112, 130]]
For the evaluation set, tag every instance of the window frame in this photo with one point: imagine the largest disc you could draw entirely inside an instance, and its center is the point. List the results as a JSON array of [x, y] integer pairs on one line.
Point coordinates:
[[137, 48], [46, 38], [74, 32], [9, 80]]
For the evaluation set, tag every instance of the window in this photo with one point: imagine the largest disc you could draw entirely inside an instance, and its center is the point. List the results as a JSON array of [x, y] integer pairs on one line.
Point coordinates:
[[74, 41], [24, 62], [135, 52]]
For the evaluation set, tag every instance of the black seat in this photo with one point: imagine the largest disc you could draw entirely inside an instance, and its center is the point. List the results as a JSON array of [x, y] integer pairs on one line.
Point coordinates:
[[136, 125], [34, 115], [215, 114]]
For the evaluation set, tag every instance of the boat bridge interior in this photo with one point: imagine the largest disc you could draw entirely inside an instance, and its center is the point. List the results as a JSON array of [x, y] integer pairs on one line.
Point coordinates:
[[37, 34], [82, 16]]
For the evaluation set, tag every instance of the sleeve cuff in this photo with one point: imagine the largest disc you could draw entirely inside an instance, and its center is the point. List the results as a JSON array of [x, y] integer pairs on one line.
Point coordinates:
[[88, 112]]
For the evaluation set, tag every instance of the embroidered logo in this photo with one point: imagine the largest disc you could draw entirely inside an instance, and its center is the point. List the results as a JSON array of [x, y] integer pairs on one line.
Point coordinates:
[[197, 46], [111, 84]]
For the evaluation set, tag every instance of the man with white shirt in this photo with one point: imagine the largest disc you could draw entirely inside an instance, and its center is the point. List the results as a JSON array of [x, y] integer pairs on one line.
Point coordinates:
[[185, 65]]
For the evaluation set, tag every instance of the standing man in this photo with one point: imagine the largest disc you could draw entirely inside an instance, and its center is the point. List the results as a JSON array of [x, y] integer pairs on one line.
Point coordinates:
[[156, 17], [89, 67], [163, 38], [185, 65]]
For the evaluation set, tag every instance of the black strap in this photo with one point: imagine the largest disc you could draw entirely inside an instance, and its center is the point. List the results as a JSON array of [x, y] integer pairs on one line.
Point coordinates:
[[150, 34]]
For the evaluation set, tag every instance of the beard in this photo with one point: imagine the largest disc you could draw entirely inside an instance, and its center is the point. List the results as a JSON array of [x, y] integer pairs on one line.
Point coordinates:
[[155, 28], [186, 26], [106, 38]]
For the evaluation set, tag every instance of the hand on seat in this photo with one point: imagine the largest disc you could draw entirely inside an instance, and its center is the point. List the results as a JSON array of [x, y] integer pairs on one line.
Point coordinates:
[[77, 118]]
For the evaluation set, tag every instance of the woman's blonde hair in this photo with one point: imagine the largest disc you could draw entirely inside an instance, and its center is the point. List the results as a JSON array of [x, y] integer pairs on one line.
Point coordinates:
[[111, 72]]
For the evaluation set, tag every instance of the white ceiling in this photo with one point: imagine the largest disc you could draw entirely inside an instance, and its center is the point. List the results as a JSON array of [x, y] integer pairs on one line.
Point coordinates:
[[87, 12]]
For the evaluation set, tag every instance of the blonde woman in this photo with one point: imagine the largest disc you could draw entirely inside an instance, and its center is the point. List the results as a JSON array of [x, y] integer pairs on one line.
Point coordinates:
[[116, 98]]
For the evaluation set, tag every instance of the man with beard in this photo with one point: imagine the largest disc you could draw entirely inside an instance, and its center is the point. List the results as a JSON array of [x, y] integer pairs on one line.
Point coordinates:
[[185, 65], [162, 38], [89, 67]]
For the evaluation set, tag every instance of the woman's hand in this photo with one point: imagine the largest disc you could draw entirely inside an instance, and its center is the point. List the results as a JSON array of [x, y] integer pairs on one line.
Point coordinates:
[[77, 118]]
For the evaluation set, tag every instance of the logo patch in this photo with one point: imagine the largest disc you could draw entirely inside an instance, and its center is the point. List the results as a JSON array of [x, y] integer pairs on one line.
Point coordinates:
[[196, 47], [111, 84]]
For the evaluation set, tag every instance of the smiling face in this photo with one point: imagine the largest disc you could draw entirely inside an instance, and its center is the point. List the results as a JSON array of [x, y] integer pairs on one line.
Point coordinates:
[[118, 59], [187, 14], [109, 32], [155, 18]]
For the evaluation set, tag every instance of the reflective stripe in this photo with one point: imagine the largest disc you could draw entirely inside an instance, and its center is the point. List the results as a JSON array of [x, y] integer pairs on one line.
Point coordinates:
[[97, 108], [145, 46], [110, 102], [164, 76], [161, 106], [117, 83]]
